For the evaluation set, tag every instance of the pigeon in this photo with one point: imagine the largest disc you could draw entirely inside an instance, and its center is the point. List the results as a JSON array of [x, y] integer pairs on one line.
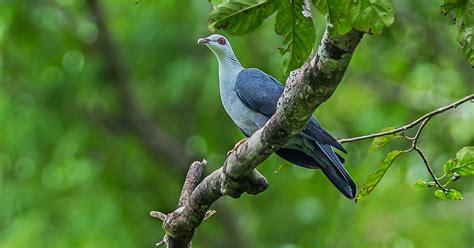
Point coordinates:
[[250, 97]]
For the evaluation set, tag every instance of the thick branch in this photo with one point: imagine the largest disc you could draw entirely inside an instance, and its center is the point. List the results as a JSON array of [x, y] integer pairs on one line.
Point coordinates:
[[413, 123], [306, 89]]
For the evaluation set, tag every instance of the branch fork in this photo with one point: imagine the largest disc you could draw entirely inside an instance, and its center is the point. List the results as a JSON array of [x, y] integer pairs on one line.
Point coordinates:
[[181, 224], [422, 121]]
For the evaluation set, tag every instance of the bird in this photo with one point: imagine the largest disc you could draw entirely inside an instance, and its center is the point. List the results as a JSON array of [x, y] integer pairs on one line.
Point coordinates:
[[250, 97]]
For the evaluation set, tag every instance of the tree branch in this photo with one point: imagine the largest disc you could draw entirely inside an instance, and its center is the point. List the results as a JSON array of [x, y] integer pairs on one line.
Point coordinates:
[[428, 167], [414, 140], [305, 90], [414, 146], [412, 124]]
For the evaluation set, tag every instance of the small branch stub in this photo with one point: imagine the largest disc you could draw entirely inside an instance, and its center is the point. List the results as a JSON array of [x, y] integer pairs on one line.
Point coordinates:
[[158, 215], [209, 213]]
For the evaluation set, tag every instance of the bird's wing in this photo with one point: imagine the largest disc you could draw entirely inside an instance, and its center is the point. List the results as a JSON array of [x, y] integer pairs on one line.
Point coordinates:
[[260, 92]]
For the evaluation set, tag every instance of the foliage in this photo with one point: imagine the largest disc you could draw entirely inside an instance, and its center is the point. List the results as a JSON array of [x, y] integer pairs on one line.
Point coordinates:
[[461, 166], [374, 178], [294, 21], [298, 32], [463, 12], [239, 18], [368, 16], [454, 169], [451, 194]]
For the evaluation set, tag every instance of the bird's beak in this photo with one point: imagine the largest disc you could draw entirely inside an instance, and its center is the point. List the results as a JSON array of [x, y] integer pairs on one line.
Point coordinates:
[[203, 41]]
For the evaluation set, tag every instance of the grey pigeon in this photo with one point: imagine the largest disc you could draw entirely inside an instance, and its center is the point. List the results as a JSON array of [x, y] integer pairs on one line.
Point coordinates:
[[250, 98]]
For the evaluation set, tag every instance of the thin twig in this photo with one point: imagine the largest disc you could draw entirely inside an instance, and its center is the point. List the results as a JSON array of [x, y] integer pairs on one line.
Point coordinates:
[[428, 167], [414, 146], [417, 135], [412, 124]]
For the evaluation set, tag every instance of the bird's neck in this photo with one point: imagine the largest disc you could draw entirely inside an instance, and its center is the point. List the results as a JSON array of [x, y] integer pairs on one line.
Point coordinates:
[[229, 68], [229, 61]]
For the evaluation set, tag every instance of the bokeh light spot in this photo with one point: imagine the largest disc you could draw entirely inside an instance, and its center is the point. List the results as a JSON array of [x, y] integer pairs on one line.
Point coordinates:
[[73, 60], [25, 168], [52, 177], [308, 209], [196, 145], [87, 32]]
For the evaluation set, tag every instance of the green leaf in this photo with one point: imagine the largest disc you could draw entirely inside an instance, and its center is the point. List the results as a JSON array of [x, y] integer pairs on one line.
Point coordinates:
[[339, 15], [456, 6], [440, 194], [321, 6], [369, 16], [298, 32], [421, 184], [464, 169], [381, 141], [452, 194], [241, 17], [462, 165], [465, 161], [374, 178], [465, 155], [466, 32], [463, 10], [449, 165]]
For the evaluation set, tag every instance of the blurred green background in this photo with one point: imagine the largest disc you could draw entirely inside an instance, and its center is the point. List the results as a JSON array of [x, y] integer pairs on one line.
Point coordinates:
[[102, 108]]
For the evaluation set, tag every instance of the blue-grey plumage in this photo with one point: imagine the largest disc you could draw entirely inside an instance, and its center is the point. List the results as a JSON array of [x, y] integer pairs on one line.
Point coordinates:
[[250, 98]]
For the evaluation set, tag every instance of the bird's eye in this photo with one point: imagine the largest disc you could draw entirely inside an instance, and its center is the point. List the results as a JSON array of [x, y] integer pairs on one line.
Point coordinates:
[[221, 41]]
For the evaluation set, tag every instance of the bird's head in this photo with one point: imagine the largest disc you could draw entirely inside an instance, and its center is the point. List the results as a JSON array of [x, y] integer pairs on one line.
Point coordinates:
[[218, 44]]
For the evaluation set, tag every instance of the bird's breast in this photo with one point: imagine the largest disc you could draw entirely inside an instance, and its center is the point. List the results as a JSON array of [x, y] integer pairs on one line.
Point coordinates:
[[245, 118]]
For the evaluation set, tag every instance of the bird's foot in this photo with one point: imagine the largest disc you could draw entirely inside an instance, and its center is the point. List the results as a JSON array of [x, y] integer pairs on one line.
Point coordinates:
[[236, 146]]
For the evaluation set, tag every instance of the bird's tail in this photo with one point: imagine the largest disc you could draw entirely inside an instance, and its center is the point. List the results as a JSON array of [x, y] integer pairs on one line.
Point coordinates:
[[334, 170]]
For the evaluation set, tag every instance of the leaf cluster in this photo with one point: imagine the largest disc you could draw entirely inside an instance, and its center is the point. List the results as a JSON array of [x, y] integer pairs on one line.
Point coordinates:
[[294, 21], [460, 166], [463, 17]]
